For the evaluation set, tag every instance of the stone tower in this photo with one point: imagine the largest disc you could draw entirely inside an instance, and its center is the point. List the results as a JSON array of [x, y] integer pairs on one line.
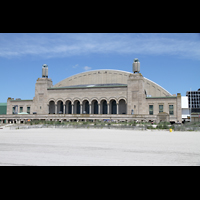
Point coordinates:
[[136, 93], [41, 95]]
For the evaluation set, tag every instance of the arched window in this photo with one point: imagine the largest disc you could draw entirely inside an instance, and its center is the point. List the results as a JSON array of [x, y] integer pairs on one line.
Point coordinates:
[[77, 107], [86, 107], [51, 107], [68, 107], [113, 107], [103, 107], [122, 106], [95, 109], [60, 107]]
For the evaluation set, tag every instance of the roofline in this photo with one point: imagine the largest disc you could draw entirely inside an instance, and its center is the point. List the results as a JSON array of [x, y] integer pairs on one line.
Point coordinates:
[[87, 87], [158, 85], [94, 71], [100, 70], [114, 70]]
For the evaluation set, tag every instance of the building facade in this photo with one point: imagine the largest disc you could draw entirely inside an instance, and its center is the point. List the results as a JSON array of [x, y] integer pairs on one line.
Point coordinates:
[[97, 95], [194, 104], [185, 109]]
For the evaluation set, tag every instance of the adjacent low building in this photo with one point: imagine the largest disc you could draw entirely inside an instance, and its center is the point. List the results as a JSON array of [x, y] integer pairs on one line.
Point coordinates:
[[185, 109], [97, 95], [3, 111]]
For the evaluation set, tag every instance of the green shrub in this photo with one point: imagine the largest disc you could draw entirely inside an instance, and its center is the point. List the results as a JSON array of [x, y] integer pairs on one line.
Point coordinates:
[[163, 125], [150, 127]]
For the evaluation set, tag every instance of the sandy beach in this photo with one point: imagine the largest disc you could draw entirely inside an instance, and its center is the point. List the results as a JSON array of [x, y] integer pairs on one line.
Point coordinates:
[[98, 147]]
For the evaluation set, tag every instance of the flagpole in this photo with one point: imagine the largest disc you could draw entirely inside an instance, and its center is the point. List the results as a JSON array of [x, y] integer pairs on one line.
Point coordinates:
[[190, 106]]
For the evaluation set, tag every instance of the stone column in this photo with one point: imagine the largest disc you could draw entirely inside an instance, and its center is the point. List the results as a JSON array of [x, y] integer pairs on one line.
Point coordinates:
[[81, 108], [90, 111], [108, 108], [64, 108], [72, 109], [99, 107], [56, 109], [117, 108]]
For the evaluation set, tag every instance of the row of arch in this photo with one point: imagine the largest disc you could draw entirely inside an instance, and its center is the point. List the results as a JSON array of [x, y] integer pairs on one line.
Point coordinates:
[[89, 100], [85, 106]]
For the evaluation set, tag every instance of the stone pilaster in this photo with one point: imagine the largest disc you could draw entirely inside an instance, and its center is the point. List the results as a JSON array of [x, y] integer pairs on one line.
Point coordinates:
[[178, 108], [136, 98]]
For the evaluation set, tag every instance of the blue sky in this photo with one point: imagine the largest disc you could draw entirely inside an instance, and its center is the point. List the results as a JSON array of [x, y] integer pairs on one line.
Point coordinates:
[[172, 60]]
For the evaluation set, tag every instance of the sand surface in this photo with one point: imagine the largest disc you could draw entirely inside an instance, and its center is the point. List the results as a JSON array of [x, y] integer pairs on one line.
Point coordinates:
[[98, 147]]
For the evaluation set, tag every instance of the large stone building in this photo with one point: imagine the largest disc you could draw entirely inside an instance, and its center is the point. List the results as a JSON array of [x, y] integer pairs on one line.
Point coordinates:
[[97, 95]]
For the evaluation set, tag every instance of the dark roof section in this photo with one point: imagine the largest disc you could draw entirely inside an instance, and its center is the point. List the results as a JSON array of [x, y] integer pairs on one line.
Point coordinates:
[[3, 108], [13, 100], [167, 97], [90, 86]]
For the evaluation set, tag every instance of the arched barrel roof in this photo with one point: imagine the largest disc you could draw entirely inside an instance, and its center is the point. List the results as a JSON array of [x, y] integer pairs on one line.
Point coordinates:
[[107, 76]]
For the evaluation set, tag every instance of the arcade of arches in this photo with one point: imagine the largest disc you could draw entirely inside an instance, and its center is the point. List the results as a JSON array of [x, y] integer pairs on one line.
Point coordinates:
[[85, 107]]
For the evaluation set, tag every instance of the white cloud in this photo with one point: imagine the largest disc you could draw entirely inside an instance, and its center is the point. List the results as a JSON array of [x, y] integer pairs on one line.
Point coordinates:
[[86, 68], [63, 45], [75, 66]]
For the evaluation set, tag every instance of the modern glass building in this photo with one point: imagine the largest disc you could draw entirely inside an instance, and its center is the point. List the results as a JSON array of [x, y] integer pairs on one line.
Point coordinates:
[[194, 100]]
